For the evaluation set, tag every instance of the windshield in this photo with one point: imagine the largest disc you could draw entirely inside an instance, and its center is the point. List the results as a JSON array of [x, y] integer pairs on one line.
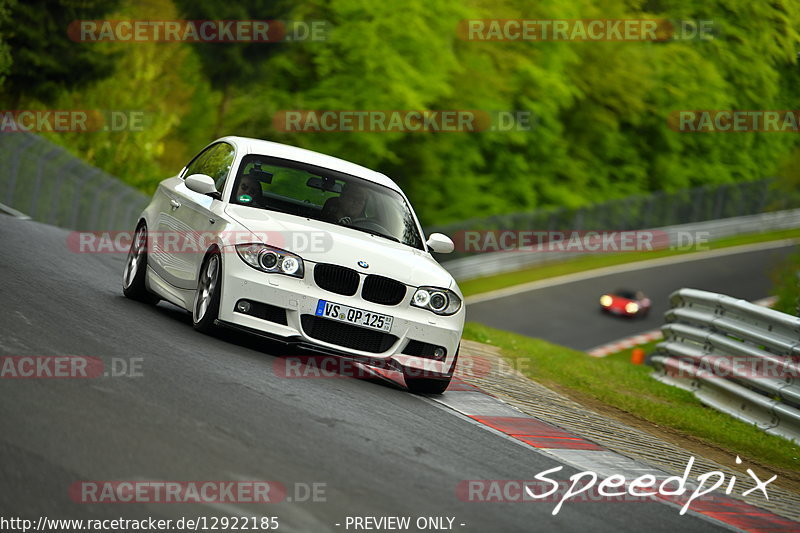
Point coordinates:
[[625, 293], [318, 193]]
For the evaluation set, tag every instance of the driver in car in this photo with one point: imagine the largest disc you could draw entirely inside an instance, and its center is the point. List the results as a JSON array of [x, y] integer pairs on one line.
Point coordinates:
[[347, 206], [249, 191]]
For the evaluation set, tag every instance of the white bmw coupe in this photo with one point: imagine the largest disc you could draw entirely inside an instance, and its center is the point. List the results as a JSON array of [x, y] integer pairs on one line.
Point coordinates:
[[302, 248]]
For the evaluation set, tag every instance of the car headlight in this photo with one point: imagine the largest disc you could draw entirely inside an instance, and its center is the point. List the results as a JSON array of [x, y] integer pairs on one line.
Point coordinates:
[[632, 308], [605, 300], [440, 301], [269, 259]]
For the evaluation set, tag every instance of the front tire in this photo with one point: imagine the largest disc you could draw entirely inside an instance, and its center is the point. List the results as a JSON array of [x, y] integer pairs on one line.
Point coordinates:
[[134, 285], [431, 384], [427, 385], [206, 302]]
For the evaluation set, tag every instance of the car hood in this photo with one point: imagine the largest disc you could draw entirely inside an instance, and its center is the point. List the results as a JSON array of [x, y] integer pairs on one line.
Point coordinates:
[[321, 242], [618, 302]]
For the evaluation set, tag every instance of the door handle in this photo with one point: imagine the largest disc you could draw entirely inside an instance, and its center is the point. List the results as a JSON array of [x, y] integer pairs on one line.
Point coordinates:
[[175, 204]]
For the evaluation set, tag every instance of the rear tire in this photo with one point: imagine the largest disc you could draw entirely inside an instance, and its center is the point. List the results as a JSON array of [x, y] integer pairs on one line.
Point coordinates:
[[134, 285], [206, 302]]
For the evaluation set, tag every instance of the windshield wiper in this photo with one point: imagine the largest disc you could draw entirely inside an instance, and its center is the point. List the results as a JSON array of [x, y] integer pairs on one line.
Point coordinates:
[[389, 237]]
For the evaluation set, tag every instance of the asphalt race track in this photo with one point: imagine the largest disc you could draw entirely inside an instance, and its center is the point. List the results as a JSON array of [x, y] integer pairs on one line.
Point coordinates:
[[569, 314], [211, 408]]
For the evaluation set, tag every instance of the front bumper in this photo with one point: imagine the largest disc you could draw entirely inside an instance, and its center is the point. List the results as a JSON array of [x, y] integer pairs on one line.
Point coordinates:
[[299, 298], [618, 311]]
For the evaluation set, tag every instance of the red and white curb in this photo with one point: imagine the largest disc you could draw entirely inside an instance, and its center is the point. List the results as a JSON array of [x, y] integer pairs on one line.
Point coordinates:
[[653, 335], [499, 417], [624, 344]]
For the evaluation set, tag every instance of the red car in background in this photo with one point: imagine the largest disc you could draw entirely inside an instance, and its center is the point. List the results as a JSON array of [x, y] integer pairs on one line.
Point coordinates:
[[624, 302]]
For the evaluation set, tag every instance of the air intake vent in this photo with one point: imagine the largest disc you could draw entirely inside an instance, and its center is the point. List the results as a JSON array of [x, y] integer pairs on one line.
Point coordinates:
[[346, 335]]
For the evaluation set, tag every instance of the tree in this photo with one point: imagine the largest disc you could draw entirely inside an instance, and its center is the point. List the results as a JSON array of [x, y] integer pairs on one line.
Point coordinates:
[[161, 82], [44, 60], [5, 49], [601, 109], [233, 66]]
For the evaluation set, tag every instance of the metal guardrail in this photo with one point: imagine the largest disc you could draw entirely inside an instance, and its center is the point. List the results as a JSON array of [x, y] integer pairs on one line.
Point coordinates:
[[487, 264], [641, 211], [735, 356], [47, 183]]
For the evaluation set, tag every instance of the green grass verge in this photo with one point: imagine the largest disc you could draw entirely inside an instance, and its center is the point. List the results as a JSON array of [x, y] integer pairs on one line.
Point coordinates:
[[614, 381], [589, 262]]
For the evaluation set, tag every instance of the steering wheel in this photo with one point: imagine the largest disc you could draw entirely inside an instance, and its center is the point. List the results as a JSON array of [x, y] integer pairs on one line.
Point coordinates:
[[369, 225]]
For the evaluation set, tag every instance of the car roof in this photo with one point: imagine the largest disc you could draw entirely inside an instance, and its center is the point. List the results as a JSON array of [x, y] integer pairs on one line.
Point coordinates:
[[293, 153], [626, 293]]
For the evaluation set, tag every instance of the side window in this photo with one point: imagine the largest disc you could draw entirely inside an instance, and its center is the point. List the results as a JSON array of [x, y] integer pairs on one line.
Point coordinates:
[[218, 164], [195, 167], [215, 161]]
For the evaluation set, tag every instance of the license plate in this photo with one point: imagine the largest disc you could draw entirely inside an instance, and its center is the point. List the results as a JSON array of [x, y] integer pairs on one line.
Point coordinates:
[[353, 315]]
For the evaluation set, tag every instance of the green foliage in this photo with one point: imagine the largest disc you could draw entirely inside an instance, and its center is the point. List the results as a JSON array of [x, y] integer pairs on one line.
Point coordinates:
[[229, 65], [45, 61], [161, 81], [601, 109], [5, 49]]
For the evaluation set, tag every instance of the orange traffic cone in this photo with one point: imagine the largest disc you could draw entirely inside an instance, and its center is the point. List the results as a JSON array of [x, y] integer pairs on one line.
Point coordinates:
[[637, 356]]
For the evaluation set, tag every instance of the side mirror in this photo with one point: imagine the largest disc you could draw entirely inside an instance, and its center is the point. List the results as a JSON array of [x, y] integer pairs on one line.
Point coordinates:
[[200, 183], [440, 243]]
